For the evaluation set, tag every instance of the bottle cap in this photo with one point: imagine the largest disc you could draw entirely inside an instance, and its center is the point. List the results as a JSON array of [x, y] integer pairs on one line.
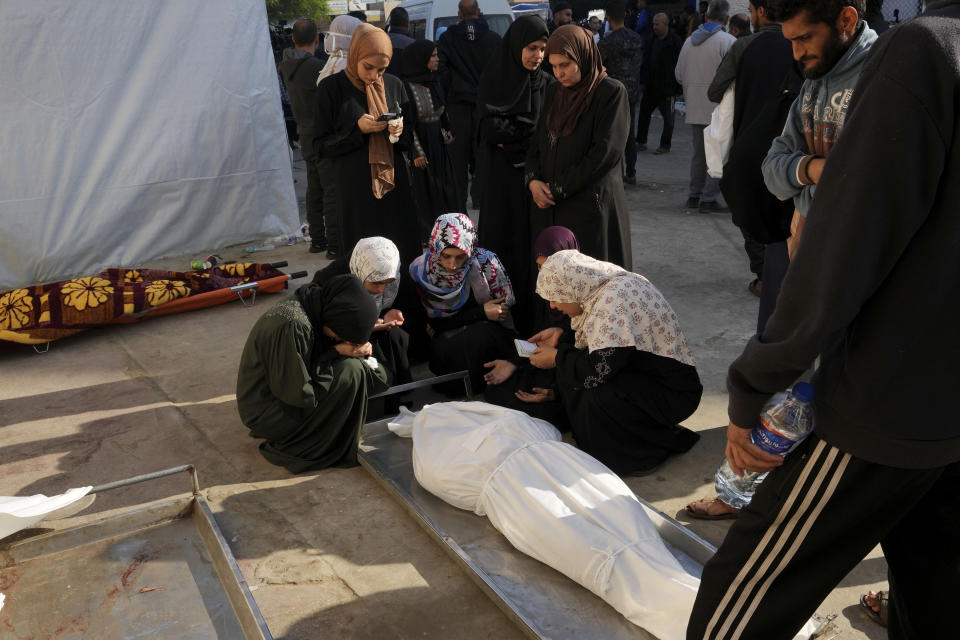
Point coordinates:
[[803, 391]]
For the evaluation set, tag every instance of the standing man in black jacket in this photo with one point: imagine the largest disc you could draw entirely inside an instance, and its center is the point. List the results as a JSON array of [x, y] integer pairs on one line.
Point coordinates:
[[662, 86], [764, 70], [464, 50], [872, 291], [300, 69], [622, 53]]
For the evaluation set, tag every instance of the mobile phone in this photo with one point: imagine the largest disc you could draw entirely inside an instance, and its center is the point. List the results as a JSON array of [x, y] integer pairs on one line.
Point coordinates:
[[386, 116], [524, 348]]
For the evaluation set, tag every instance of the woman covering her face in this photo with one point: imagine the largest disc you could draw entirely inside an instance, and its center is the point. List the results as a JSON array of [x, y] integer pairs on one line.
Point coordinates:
[[573, 166], [509, 99], [432, 175], [362, 126], [625, 374], [376, 262], [467, 296], [306, 373]]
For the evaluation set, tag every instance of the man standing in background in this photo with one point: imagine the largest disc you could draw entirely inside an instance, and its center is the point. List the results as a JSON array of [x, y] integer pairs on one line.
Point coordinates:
[[699, 59], [662, 86], [622, 53], [464, 50], [300, 70]]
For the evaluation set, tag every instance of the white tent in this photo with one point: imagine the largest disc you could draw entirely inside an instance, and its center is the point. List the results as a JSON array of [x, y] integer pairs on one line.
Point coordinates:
[[136, 129]]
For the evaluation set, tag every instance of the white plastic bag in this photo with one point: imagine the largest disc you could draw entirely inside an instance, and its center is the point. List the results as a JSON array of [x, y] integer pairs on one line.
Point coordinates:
[[718, 136]]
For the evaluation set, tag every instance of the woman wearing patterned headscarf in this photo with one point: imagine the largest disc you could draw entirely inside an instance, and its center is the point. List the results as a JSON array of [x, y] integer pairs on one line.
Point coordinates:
[[432, 174], [376, 262], [366, 152], [306, 373], [508, 102], [573, 166], [625, 374], [467, 296]]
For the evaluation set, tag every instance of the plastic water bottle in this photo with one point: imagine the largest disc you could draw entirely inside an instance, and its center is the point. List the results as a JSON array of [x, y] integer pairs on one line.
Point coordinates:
[[784, 422]]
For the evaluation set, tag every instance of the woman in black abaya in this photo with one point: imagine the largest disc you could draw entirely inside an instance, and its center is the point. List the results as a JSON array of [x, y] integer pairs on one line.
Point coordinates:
[[573, 165], [625, 374], [511, 92], [373, 189], [431, 175]]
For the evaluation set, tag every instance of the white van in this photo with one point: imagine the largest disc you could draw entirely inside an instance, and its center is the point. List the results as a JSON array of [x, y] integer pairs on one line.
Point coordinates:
[[426, 16]]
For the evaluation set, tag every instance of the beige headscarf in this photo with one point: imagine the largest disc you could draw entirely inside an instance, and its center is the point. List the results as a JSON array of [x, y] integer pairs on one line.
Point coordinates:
[[372, 45], [620, 308]]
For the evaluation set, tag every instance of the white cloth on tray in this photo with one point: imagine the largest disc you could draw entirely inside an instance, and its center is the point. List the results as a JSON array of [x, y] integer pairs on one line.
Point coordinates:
[[20, 512]]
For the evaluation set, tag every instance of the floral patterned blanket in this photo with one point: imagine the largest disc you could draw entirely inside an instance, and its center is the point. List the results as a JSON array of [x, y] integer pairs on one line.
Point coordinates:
[[47, 312]]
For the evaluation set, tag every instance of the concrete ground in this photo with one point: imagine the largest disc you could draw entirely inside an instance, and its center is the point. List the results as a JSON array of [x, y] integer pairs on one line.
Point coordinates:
[[330, 554]]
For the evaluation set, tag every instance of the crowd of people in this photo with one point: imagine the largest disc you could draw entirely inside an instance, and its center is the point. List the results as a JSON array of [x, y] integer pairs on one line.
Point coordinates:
[[539, 130]]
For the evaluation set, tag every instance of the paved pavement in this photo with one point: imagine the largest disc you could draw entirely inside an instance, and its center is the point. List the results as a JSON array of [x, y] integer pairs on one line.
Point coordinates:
[[330, 554]]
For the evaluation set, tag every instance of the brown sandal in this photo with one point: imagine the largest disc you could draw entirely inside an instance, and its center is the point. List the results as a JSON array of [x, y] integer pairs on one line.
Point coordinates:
[[700, 509]]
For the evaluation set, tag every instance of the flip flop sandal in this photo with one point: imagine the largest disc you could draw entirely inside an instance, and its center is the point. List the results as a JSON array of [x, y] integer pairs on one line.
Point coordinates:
[[880, 617], [754, 287], [705, 514]]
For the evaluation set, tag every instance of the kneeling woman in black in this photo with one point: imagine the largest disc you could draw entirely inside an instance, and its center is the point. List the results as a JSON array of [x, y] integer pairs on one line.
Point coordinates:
[[467, 296], [625, 374]]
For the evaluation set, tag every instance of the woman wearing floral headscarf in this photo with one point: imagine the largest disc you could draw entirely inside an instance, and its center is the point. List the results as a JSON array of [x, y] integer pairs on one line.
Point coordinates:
[[573, 165], [373, 190], [376, 262], [467, 296], [625, 373]]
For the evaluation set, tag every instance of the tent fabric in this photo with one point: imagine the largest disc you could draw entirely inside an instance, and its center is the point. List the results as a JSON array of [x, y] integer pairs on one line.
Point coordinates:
[[43, 313], [134, 130], [556, 504], [458, 445]]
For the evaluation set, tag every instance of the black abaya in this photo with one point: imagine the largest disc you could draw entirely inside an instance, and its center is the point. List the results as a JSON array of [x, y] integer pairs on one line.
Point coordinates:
[[624, 405], [338, 138], [508, 104], [584, 174]]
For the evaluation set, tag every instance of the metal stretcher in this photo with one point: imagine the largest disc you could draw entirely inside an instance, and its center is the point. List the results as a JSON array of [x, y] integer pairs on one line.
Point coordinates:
[[541, 601], [162, 570]]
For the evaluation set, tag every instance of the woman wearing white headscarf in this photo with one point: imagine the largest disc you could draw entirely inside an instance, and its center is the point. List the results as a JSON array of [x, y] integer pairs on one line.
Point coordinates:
[[376, 262], [625, 373], [337, 44]]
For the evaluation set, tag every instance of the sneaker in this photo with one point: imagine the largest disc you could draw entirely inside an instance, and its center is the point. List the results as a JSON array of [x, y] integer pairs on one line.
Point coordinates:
[[641, 146], [661, 150], [692, 202], [332, 254], [713, 207], [630, 179], [318, 248]]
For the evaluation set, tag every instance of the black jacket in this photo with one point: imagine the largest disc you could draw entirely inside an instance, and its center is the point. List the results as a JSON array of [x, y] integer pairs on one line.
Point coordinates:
[[464, 50], [300, 70], [873, 289], [660, 65]]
